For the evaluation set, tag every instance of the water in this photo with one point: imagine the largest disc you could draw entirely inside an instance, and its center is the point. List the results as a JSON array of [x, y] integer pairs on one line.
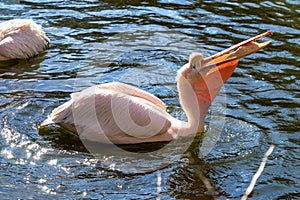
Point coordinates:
[[87, 47]]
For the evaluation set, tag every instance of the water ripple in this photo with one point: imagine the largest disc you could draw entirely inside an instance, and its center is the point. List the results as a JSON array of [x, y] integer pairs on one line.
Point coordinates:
[[89, 44]]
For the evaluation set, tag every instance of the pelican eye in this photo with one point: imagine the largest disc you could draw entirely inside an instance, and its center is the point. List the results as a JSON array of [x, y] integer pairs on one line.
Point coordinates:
[[194, 66]]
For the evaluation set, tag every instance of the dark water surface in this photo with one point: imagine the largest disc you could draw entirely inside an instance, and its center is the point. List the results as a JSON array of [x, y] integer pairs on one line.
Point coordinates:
[[143, 43]]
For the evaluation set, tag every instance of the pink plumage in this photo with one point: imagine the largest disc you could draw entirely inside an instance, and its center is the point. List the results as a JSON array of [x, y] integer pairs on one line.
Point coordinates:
[[21, 39], [122, 114]]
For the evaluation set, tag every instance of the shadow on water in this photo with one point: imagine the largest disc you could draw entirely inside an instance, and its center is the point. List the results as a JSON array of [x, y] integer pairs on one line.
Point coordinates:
[[62, 139], [19, 65], [20, 68], [190, 179]]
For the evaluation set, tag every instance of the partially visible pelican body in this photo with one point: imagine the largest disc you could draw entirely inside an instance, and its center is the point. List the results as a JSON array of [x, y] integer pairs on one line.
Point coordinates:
[[21, 39], [123, 114]]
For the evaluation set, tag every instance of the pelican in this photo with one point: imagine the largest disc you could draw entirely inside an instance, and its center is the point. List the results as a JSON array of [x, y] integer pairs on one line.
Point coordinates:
[[21, 39], [122, 114]]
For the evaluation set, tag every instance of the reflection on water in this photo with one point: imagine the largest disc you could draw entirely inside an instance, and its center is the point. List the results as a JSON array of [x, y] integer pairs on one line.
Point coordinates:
[[90, 44]]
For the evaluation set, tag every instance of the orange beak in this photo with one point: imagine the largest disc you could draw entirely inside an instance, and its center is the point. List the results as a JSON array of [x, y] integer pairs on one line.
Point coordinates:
[[216, 70]]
